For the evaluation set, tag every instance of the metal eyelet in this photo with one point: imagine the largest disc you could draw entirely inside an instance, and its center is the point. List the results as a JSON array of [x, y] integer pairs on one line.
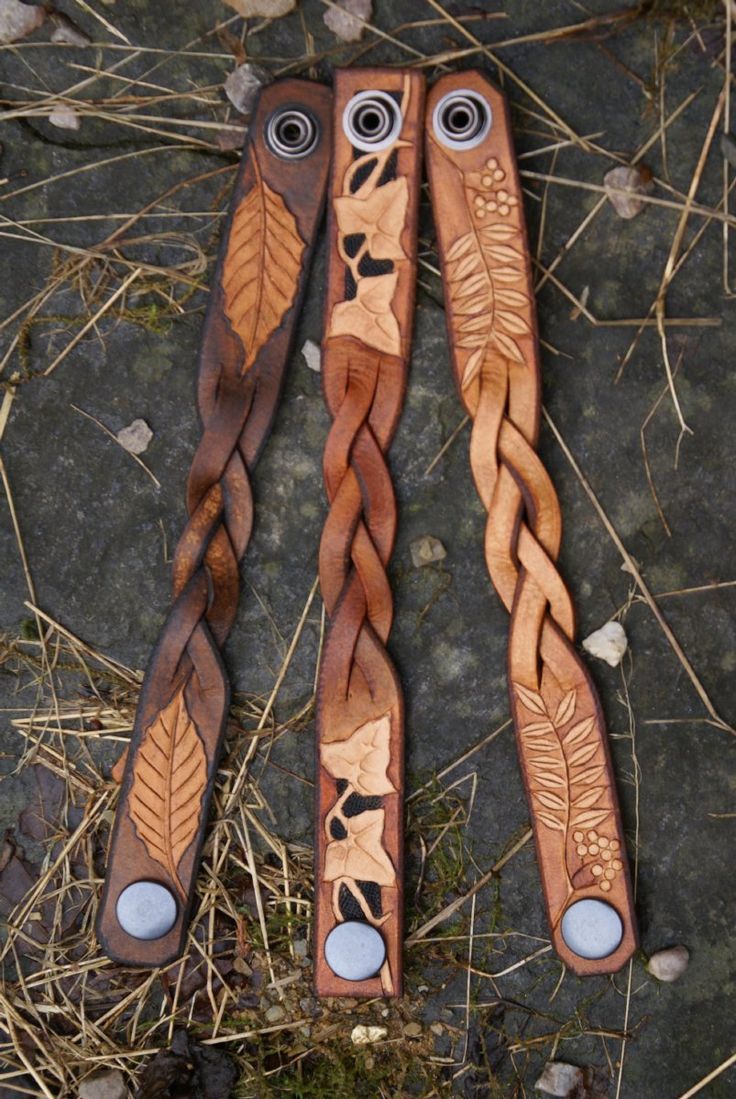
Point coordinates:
[[371, 121], [291, 133], [462, 119]]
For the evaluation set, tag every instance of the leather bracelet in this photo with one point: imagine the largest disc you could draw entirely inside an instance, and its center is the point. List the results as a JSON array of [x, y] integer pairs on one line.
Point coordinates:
[[172, 759], [372, 239], [560, 728]]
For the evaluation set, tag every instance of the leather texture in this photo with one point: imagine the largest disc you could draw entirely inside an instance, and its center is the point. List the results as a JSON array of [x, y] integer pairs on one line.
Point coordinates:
[[372, 238], [560, 729], [172, 759]]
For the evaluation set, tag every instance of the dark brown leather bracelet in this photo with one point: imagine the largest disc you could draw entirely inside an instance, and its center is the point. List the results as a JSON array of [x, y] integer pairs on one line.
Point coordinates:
[[254, 303], [370, 300], [560, 728]]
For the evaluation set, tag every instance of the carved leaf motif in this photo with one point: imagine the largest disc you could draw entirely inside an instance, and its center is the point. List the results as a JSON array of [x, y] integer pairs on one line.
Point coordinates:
[[169, 779], [566, 708], [531, 699], [261, 272], [369, 316], [363, 758], [488, 315], [361, 855], [380, 218]]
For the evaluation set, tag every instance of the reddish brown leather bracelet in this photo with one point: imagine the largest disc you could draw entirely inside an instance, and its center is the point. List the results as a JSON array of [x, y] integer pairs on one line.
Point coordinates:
[[560, 729], [172, 760], [370, 298]]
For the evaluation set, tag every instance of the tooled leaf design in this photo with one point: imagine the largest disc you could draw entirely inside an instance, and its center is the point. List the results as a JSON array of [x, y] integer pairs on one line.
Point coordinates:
[[488, 313], [261, 271], [379, 216], [169, 779], [563, 765], [363, 759], [361, 854]]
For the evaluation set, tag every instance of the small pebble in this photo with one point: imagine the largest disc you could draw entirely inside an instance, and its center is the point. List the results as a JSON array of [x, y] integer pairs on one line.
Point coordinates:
[[275, 1014], [18, 20], [560, 1079], [362, 1035], [668, 965], [67, 32], [413, 1030], [64, 118], [312, 355], [135, 437], [263, 9], [342, 22], [426, 550], [300, 948], [106, 1085], [624, 186], [609, 643], [243, 85]]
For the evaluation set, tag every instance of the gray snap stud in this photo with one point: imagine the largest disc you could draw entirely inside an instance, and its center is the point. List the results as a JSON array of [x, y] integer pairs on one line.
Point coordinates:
[[354, 950], [591, 928], [146, 910]]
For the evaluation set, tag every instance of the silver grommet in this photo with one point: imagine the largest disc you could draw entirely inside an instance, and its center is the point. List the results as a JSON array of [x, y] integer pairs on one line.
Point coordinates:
[[355, 950], [462, 119], [592, 929], [146, 910], [371, 121], [291, 133]]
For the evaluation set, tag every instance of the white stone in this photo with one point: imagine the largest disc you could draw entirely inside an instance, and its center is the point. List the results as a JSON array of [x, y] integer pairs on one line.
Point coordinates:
[[366, 1035], [18, 20], [243, 85], [426, 550], [624, 187], [609, 643], [64, 117], [135, 437], [560, 1079], [592, 928], [312, 355], [668, 965]]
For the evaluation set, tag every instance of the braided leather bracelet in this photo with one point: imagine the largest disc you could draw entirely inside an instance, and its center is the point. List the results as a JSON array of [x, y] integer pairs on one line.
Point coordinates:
[[370, 298], [560, 728], [172, 760]]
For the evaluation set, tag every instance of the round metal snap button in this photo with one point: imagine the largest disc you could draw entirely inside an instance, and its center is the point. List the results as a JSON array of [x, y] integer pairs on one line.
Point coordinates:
[[354, 950], [591, 928], [146, 910]]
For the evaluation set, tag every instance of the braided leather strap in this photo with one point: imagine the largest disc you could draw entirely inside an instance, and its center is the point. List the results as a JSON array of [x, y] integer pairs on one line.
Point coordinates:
[[370, 298], [560, 728], [254, 302]]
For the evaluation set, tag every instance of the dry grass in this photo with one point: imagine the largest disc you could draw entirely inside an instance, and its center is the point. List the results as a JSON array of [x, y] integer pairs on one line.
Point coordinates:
[[65, 1010]]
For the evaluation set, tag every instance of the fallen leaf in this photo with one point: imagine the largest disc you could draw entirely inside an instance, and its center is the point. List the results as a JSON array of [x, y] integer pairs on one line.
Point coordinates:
[[667, 965], [64, 117], [342, 22], [18, 20], [312, 355], [243, 85], [427, 550], [609, 643], [624, 186], [135, 437], [362, 1035], [263, 9]]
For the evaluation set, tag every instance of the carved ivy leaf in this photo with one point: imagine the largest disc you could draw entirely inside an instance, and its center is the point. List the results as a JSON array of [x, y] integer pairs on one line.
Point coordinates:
[[363, 758], [380, 217], [361, 855], [261, 271], [169, 779], [368, 316]]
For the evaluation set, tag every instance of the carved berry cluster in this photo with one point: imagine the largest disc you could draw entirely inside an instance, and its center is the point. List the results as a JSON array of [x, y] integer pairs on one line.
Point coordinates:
[[603, 850], [493, 199]]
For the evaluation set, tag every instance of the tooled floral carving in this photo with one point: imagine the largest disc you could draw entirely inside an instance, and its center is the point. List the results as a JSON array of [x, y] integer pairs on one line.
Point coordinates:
[[567, 784]]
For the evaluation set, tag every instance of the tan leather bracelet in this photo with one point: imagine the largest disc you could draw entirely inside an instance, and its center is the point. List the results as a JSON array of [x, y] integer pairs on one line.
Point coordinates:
[[172, 760], [372, 239], [560, 729]]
